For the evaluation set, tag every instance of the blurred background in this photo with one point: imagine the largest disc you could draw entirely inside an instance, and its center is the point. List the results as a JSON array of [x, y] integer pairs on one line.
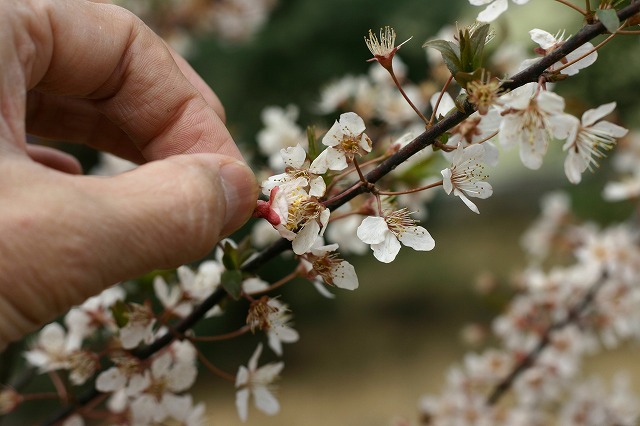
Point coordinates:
[[367, 356]]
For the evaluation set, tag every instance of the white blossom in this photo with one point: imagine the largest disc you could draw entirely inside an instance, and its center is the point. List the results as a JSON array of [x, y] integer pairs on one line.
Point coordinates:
[[139, 327], [323, 265], [384, 234], [588, 139], [294, 158], [94, 313], [55, 350], [255, 382], [343, 140], [530, 119], [466, 177], [280, 132], [298, 217]]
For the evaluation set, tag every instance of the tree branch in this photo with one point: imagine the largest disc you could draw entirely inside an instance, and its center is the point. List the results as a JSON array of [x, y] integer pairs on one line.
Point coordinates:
[[531, 74]]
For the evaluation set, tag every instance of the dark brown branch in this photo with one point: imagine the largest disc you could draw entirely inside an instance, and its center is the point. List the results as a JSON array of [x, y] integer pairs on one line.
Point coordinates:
[[531, 74]]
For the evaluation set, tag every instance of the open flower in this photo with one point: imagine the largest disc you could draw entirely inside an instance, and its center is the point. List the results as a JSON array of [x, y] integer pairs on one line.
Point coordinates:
[[386, 233], [280, 131], [139, 327], [257, 382], [466, 175], [322, 264], [530, 120], [294, 158], [344, 140], [297, 216], [588, 139], [55, 350], [272, 316]]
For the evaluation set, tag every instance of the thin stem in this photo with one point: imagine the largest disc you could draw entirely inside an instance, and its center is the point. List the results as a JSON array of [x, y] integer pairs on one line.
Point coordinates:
[[379, 201], [60, 387], [573, 315], [343, 215], [215, 370], [410, 191], [602, 43], [587, 7], [227, 336], [574, 7], [435, 107], [360, 175], [491, 136], [38, 396], [346, 173], [406, 98], [282, 281]]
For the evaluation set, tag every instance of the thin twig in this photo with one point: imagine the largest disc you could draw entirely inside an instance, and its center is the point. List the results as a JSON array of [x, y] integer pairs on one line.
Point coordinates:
[[573, 6], [406, 98], [435, 107], [410, 191]]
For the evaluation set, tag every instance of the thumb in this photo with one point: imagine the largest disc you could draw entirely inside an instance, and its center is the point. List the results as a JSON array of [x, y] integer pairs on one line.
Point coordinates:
[[175, 210], [96, 231]]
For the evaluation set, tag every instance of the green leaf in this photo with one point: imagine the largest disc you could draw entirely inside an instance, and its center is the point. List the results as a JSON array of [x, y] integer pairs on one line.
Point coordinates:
[[450, 53], [245, 250], [477, 42], [609, 19], [120, 313], [464, 78], [311, 138], [230, 256], [232, 283]]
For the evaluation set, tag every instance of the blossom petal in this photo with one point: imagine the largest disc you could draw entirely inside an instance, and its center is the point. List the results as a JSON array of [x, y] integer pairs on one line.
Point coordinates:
[[467, 201], [574, 166], [317, 187], [544, 39], [372, 230], [591, 116], [111, 380], [351, 123], [328, 159], [387, 250], [418, 238], [344, 276], [447, 185], [265, 401], [306, 237], [242, 404], [492, 11], [294, 156], [610, 129]]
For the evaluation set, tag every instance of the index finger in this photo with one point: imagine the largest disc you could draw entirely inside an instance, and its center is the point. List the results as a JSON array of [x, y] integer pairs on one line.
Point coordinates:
[[104, 53]]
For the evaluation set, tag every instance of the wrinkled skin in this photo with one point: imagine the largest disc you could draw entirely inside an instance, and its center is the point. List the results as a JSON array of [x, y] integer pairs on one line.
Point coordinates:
[[93, 73]]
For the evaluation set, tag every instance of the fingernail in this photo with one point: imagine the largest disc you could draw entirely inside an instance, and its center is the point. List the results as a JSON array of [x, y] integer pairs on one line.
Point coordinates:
[[240, 193]]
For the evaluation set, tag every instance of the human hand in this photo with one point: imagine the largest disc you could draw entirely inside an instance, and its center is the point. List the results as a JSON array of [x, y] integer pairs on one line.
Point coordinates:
[[95, 74]]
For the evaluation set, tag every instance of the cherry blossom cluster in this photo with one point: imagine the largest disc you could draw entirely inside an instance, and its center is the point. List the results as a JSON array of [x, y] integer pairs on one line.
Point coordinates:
[[559, 317], [363, 183]]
